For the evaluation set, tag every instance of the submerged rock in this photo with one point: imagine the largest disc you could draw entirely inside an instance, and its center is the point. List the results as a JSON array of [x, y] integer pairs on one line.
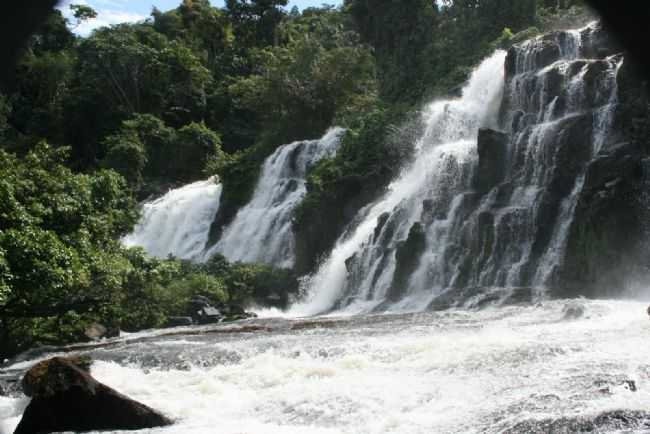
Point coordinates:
[[573, 310], [65, 397], [630, 385], [606, 422]]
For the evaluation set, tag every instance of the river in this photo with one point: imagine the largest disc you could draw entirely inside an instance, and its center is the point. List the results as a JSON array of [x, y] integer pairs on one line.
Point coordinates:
[[498, 369]]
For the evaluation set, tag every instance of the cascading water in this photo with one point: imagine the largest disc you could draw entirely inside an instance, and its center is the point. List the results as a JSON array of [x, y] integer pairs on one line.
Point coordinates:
[[454, 221], [443, 161], [178, 223], [261, 231]]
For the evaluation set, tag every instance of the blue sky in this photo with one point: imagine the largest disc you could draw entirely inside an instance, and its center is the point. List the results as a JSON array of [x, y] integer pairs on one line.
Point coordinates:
[[119, 11]]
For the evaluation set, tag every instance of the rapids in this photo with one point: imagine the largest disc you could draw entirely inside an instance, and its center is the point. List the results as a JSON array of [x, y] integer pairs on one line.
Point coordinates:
[[455, 371]]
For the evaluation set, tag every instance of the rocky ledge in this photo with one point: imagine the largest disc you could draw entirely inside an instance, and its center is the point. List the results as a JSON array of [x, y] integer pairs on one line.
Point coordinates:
[[65, 397]]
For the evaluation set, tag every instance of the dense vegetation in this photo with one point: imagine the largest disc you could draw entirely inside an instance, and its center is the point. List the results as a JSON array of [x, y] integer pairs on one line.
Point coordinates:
[[91, 125]]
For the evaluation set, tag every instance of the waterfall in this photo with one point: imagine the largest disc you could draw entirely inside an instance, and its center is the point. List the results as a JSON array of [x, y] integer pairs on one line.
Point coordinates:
[[444, 157], [261, 232], [488, 212], [179, 222]]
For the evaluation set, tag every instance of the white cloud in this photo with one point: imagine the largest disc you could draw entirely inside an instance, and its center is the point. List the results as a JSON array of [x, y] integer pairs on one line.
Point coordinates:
[[106, 15]]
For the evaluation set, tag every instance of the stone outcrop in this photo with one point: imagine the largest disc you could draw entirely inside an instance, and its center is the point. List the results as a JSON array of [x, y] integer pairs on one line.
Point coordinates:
[[65, 397], [492, 157], [406, 259], [96, 331]]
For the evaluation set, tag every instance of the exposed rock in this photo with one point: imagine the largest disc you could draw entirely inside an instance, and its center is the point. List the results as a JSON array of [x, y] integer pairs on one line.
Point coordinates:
[[234, 312], [209, 315], [381, 221], [547, 53], [607, 422], [597, 43], [203, 312], [482, 297], [36, 382], [407, 258], [630, 385], [604, 248], [179, 321], [198, 301], [97, 331], [573, 310], [66, 397], [492, 158]]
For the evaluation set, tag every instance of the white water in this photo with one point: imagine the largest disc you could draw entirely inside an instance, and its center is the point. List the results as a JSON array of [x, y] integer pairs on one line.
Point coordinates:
[[449, 139], [452, 372], [178, 223], [262, 231]]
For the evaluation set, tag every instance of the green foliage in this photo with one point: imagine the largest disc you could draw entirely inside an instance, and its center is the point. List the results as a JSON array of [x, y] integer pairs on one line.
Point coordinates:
[[423, 47], [145, 149], [126, 154], [195, 146], [305, 81], [82, 13], [255, 21], [53, 36], [130, 69]]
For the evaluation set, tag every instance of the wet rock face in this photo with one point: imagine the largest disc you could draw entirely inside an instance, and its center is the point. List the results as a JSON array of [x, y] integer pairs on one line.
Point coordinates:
[[407, 258], [492, 157], [65, 397], [602, 250], [598, 43]]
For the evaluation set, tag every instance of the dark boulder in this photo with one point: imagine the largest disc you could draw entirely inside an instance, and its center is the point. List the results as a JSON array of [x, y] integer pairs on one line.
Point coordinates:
[[65, 397], [407, 258], [381, 222], [606, 248], [548, 53], [179, 321], [37, 382], [492, 158], [208, 315], [511, 62], [630, 385], [203, 312], [198, 301]]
